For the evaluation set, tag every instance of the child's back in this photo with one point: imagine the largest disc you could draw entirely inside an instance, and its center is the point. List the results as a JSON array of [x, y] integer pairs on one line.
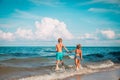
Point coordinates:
[[78, 52], [59, 47]]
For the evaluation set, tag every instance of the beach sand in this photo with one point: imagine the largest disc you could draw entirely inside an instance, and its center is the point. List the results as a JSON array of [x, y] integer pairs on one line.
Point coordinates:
[[45, 73], [15, 73], [105, 75]]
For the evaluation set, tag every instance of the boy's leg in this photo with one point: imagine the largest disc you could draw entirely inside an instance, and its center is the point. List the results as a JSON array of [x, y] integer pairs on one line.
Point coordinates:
[[61, 59], [62, 62], [57, 63], [63, 67]]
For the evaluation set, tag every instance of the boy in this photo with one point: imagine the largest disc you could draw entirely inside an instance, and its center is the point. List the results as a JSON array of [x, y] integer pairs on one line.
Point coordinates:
[[59, 54]]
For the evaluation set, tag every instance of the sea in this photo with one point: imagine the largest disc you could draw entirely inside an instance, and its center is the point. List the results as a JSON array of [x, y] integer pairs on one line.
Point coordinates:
[[37, 57]]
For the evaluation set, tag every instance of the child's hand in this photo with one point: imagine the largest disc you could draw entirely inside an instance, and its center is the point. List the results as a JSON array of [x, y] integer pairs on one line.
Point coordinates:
[[81, 59], [68, 51], [72, 51]]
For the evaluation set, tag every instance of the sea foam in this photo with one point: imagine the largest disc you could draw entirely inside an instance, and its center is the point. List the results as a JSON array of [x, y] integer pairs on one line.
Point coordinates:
[[71, 72]]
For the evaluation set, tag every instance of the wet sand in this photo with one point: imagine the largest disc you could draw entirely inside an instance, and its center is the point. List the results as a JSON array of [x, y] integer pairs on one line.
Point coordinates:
[[45, 73], [14, 73], [105, 75]]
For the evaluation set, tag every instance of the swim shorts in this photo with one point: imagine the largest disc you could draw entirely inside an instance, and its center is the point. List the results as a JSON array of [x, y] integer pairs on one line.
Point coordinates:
[[77, 57], [59, 56]]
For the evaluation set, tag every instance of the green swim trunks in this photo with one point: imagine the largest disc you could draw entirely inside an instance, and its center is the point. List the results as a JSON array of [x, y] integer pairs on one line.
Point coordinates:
[[59, 56]]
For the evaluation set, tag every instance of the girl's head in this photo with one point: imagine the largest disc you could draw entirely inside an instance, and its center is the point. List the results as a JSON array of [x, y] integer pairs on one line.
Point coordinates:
[[78, 46], [59, 40]]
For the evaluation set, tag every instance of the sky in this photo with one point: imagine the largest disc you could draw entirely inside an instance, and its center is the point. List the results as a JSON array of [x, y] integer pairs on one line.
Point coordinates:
[[42, 22]]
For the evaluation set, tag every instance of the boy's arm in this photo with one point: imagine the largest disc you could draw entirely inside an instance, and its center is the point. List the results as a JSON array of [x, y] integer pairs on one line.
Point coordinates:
[[65, 48]]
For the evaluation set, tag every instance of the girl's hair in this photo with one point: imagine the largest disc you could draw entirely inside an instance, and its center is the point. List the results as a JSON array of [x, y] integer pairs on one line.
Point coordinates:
[[59, 39], [78, 46]]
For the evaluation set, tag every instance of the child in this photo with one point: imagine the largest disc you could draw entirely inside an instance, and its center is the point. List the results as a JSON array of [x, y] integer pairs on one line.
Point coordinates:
[[59, 54], [78, 56]]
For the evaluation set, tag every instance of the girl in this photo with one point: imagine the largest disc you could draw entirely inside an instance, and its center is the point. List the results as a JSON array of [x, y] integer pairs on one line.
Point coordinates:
[[78, 56]]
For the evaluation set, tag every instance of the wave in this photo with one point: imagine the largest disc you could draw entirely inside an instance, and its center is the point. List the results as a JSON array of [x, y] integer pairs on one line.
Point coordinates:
[[113, 56], [19, 54], [105, 66], [96, 57], [102, 64], [115, 53]]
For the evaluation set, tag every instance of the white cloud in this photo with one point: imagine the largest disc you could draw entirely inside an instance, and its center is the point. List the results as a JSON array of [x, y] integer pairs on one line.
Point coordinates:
[[101, 1], [52, 29], [108, 34], [25, 34], [6, 36], [100, 35], [48, 29], [88, 36], [103, 10]]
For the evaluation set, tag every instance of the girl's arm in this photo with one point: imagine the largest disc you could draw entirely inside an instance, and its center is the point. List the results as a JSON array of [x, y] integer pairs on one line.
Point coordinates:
[[81, 55], [72, 51]]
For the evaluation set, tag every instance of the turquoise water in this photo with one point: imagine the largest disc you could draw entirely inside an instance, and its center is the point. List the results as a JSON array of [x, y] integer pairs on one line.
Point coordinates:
[[46, 55], [35, 60]]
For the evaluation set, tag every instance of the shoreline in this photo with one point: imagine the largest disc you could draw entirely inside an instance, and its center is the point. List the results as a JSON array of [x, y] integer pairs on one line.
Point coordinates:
[[45, 73], [68, 74], [103, 75]]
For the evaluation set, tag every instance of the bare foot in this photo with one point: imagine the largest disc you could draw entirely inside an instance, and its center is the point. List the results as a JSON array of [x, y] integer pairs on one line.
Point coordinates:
[[77, 69], [57, 69]]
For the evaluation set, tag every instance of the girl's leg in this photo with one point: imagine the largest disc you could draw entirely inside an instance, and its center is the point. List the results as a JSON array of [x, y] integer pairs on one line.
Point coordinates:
[[78, 64], [75, 63]]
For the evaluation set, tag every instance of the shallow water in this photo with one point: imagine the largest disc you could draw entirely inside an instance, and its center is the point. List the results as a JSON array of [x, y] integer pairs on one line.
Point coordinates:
[[28, 61], [46, 55]]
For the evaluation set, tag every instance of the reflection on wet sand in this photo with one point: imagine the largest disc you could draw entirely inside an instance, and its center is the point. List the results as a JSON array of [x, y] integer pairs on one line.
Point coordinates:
[[78, 77]]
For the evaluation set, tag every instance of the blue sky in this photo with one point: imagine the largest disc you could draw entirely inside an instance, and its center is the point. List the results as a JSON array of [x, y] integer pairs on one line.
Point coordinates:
[[41, 22]]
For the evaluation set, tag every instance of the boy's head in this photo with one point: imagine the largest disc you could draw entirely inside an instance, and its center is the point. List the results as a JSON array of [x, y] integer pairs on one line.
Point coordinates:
[[78, 46], [59, 40]]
